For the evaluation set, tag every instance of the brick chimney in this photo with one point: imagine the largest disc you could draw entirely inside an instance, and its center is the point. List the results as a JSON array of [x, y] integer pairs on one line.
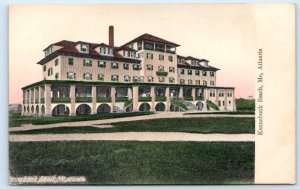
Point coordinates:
[[111, 36]]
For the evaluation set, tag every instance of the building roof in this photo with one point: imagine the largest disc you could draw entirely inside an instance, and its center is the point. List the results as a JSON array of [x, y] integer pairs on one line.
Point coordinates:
[[126, 48], [192, 58], [149, 37], [188, 66], [69, 48]]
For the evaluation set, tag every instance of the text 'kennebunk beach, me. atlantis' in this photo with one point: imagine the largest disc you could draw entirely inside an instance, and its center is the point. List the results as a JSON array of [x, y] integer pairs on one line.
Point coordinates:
[[260, 85]]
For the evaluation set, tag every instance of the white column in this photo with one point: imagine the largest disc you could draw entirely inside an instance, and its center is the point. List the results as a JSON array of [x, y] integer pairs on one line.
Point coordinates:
[[152, 94], [194, 93], [135, 98], [181, 92], [73, 100], [94, 100], [113, 98], [168, 103], [48, 100]]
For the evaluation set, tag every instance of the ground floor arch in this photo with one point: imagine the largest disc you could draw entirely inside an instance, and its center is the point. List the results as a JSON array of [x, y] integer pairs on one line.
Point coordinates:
[[199, 105], [60, 110], [144, 107], [37, 109], [174, 108], [43, 109], [83, 109], [103, 108], [160, 107]]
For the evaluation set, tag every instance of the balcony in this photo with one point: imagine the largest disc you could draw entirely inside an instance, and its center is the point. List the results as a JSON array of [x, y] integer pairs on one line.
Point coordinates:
[[60, 99], [161, 73], [122, 99], [199, 98], [103, 99], [188, 98], [83, 99], [145, 99], [160, 98]]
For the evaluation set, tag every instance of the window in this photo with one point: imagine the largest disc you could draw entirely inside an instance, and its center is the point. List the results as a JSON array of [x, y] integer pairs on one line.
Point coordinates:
[[126, 78], [221, 93], [204, 82], [219, 103], [171, 80], [100, 77], [44, 68], [149, 56], [197, 82], [212, 92], [161, 57], [101, 64], [56, 62], [135, 79], [71, 75], [190, 82], [182, 81], [126, 53], [197, 72], [212, 74], [204, 73], [139, 46], [87, 76], [56, 76], [212, 83], [223, 102], [110, 51], [70, 61], [114, 65], [182, 71], [190, 72], [48, 51], [114, 78], [142, 79], [102, 50], [126, 66], [84, 48], [171, 69], [160, 68], [136, 67], [229, 93], [50, 71], [161, 79], [150, 79], [170, 58], [149, 67], [87, 62], [229, 102]]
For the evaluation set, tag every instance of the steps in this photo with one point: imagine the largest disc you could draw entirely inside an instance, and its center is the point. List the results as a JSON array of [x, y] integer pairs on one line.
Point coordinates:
[[190, 106]]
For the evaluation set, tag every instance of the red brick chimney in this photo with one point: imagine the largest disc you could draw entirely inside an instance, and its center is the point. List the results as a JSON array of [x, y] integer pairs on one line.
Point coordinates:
[[111, 36]]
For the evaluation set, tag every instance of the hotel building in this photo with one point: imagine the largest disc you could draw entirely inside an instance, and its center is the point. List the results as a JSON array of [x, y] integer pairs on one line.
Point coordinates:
[[145, 74]]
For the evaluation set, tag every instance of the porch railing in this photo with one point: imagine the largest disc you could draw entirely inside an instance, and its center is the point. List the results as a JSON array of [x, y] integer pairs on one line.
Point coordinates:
[[60, 99]]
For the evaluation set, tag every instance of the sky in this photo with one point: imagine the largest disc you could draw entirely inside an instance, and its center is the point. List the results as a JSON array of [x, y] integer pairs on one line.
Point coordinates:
[[223, 34]]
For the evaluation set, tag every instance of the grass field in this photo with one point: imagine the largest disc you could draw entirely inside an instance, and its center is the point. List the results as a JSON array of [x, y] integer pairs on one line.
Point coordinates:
[[245, 104], [17, 120], [132, 162], [226, 113], [227, 125]]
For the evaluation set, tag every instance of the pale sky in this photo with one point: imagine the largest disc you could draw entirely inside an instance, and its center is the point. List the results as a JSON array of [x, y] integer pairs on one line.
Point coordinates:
[[223, 34]]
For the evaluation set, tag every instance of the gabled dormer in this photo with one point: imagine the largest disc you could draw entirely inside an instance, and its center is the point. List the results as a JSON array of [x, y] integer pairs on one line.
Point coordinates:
[[51, 49], [127, 52], [204, 63], [104, 50], [83, 47]]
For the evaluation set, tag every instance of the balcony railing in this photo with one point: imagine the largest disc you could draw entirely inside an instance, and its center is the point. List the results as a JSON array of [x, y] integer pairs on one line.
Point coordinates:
[[60, 99], [103, 99], [199, 98], [161, 73], [83, 99], [188, 98], [42, 100], [160, 98], [145, 99], [122, 99]]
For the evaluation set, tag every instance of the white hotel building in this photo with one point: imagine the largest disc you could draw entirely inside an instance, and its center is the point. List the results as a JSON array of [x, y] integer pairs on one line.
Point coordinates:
[[145, 74]]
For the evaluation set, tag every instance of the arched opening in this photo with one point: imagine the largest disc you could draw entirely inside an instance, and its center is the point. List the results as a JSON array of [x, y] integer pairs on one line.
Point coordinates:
[[43, 109], [83, 109], [32, 109], [144, 107], [160, 107], [28, 109], [103, 108], [24, 108], [129, 108], [174, 108], [37, 110], [60, 110], [199, 105]]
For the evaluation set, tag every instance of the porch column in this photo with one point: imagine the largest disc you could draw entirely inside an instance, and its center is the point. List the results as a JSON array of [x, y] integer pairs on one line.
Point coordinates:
[[135, 98], [48, 100], [194, 93], [233, 100], [113, 98], [129, 93], [181, 92], [72, 96], [39, 101], [26, 96], [152, 94], [225, 99], [94, 100], [167, 94], [30, 101], [217, 98]]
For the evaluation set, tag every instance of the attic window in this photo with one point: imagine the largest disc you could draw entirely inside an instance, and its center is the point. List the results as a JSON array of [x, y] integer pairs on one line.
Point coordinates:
[[84, 48], [48, 51]]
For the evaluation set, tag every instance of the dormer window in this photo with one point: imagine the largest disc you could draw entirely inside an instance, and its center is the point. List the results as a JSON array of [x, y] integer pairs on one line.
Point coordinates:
[[48, 51], [102, 50], [84, 48], [110, 51]]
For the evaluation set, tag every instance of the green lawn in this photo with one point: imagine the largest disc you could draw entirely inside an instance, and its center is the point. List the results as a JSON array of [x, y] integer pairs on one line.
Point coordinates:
[[227, 125], [133, 162], [245, 104], [17, 120]]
